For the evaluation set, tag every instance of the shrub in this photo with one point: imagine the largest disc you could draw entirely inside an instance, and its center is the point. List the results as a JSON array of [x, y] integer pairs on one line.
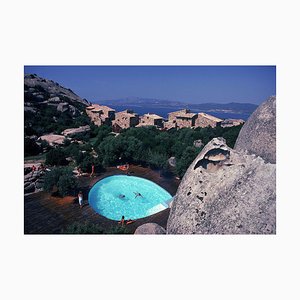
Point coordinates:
[[56, 157], [188, 156], [118, 230], [63, 179], [66, 184], [85, 228], [90, 228], [31, 147], [158, 161]]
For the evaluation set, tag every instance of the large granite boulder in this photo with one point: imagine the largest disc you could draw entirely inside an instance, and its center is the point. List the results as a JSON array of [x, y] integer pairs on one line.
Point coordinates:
[[225, 192], [258, 135], [150, 228]]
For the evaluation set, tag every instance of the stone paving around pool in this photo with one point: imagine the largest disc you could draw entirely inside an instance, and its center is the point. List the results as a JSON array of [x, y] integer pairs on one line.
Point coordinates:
[[47, 214]]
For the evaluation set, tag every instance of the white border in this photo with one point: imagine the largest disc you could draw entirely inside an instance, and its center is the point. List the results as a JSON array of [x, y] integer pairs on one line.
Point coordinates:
[[156, 32]]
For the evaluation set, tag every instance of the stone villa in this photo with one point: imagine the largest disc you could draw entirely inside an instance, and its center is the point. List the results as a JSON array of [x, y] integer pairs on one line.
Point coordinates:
[[125, 119], [151, 120], [100, 114], [182, 118], [205, 120]]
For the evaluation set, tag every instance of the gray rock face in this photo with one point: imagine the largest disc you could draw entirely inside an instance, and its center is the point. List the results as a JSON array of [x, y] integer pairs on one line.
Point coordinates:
[[34, 181], [150, 228], [258, 135], [50, 91], [198, 143], [172, 161], [72, 131], [62, 107], [225, 192]]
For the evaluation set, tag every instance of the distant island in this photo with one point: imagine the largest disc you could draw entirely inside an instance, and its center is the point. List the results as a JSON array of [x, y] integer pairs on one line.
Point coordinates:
[[163, 107]]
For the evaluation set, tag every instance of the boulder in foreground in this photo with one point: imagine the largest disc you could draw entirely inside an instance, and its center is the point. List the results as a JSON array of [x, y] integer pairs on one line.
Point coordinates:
[[150, 228]]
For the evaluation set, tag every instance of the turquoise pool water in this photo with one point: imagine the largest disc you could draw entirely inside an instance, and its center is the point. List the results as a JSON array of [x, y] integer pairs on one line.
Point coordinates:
[[105, 197]]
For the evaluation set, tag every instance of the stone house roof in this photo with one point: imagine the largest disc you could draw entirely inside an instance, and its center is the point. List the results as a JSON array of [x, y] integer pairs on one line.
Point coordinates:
[[184, 113], [153, 116], [99, 108], [210, 117]]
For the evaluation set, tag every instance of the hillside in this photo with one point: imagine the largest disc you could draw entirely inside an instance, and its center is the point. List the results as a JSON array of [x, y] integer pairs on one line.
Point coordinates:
[[50, 107]]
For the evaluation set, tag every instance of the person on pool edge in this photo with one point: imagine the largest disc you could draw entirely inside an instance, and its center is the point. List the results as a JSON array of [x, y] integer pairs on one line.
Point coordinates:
[[123, 221]]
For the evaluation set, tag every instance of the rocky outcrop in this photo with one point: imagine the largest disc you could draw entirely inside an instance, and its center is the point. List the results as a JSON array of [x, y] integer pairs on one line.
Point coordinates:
[[52, 139], [34, 181], [150, 228], [72, 131], [40, 92], [198, 143], [225, 192], [258, 135], [39, 89], [172, 161]]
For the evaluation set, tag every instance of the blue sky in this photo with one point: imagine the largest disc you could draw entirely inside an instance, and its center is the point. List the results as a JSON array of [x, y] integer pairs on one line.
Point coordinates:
[[190, 84]]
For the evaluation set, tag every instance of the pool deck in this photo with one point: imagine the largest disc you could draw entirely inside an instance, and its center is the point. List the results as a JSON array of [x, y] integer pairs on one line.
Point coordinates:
[[47, 214]]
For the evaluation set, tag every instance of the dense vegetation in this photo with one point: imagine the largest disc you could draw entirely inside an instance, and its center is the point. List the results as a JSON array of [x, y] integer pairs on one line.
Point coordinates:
[[63, 179], [90, 228], [146, 146], [152, 147]]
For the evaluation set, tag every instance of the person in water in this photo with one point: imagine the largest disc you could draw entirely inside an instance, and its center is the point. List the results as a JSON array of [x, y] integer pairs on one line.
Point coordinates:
[[121, 196], [138, 195]]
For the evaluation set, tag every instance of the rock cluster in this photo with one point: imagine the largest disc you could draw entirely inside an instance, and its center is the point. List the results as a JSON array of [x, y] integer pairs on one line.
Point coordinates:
[[33, 181], [40, 91]]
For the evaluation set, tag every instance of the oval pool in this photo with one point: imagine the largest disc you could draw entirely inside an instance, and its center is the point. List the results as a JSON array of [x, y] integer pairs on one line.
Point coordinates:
[[117, 196]]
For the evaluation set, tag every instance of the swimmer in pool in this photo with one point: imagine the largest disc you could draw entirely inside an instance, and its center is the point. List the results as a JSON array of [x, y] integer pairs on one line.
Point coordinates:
[[138, 195]]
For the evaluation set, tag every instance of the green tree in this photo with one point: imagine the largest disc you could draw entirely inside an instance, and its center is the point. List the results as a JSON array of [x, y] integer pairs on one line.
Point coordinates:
[[67, 184], [56, 157], [188, 156], [62, 178], [231, 134], [158, 160], [31, 147]]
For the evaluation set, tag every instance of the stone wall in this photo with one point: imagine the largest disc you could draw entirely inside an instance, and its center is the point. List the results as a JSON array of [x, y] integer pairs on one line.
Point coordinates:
[[183, 122], [151, 120], [100, 114]]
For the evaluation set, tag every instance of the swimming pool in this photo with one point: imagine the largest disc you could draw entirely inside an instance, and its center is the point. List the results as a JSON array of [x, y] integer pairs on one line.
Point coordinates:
[[117, 196]]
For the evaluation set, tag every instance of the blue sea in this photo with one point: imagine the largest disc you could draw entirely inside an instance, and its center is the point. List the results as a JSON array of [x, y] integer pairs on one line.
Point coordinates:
[[163, 111]]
